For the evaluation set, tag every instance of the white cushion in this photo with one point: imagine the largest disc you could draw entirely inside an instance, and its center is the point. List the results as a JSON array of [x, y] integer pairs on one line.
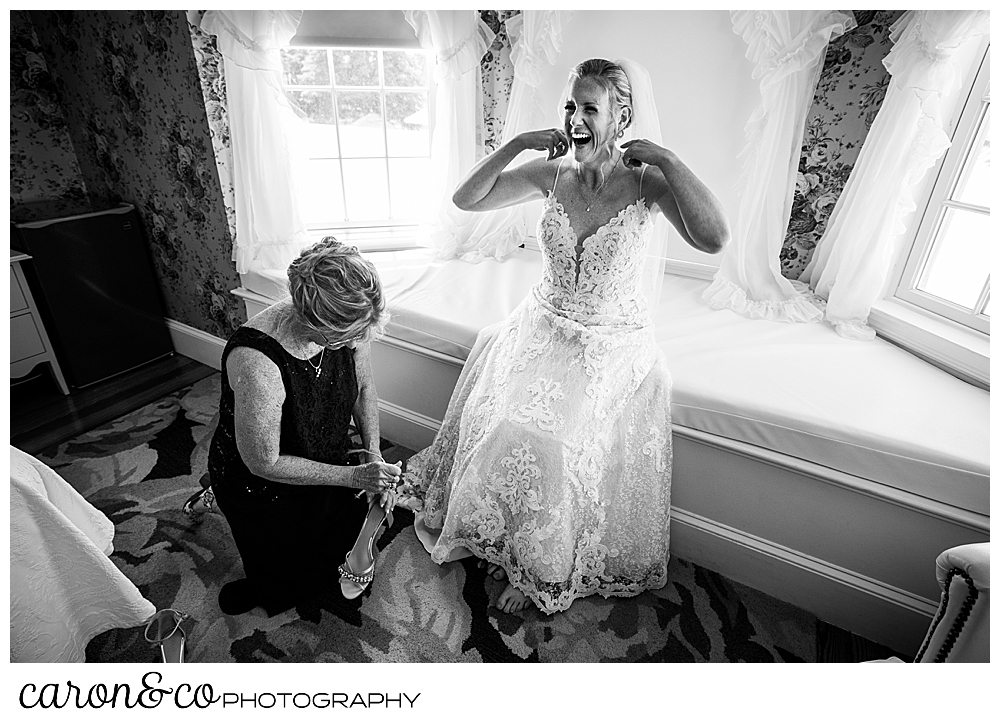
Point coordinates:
[[868, 409]]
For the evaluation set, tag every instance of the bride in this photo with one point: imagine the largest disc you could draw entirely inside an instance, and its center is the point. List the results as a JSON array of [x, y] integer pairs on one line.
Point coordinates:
[[553, 461]]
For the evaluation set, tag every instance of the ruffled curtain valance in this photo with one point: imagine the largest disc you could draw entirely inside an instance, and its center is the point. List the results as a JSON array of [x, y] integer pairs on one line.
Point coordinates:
[[269, 225], [535, 41], [852, 259], [787, 48]]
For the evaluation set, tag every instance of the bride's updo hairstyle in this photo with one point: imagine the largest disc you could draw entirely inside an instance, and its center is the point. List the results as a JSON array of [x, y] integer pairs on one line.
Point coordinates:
[[337, 293], [612, 77]]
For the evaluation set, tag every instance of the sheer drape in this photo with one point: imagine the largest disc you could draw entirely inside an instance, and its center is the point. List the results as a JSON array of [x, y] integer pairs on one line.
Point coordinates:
[[787, 48], [269, 225], [459, 39], [535, 41], [852, 259]]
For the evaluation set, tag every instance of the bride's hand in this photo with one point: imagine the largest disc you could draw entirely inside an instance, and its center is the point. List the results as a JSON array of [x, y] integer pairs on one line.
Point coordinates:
[[639, 151], [388, 499], [553, 141]]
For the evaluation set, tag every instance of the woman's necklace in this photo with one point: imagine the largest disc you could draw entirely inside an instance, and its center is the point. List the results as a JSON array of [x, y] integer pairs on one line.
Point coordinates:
[[319, 367], [600, 188]]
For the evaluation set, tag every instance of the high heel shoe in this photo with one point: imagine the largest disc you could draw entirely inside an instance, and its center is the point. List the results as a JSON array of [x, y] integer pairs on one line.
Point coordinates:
[[164, 629], [353, 584], [207, 498]]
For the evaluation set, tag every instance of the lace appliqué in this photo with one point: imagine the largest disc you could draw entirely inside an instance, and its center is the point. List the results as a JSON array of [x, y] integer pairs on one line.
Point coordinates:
[[554, 457], [539, 410]]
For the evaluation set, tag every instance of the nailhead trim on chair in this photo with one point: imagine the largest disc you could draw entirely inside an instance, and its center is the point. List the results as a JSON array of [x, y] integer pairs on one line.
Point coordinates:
[[960, 618]]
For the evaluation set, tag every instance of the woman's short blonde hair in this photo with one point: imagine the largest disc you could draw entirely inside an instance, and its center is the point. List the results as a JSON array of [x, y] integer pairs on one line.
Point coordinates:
[[337, 293]]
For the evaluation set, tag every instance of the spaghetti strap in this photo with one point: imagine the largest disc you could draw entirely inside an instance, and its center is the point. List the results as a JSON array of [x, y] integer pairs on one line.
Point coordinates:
[[556, 180], [644, 167]]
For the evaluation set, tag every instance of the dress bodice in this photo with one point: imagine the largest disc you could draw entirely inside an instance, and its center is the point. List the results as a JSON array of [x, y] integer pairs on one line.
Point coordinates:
[[604, 285]]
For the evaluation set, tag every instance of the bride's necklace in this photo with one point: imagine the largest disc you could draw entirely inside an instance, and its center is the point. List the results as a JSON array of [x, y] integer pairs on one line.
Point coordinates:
[[318, 368], [600, 188]]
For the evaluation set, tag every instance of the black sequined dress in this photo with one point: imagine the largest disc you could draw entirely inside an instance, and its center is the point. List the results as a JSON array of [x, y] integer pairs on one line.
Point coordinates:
[[291, 537]]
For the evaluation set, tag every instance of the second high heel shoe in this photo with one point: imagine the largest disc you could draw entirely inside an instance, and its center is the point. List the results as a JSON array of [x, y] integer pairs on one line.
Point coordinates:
[[164, 629], [205, 496], [352, 583]]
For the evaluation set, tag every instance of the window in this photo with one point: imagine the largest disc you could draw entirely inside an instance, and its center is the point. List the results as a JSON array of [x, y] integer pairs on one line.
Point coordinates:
[[945, 273], [367, 135], [939, 301]]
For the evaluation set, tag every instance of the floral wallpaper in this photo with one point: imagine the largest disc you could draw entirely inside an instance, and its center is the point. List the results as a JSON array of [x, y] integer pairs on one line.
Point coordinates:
[[210, 65], [849, 93], [129, 92], [43, 165], [497, 75]]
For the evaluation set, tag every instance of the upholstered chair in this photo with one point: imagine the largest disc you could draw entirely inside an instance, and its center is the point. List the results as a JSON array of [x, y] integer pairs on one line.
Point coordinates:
[[960, 630]]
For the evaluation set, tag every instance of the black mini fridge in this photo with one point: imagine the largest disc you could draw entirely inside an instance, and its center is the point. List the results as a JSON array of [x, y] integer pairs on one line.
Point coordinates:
[[92, 277]]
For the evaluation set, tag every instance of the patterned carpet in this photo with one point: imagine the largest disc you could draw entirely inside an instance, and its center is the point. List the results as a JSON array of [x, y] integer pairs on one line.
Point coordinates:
[[140, 468]]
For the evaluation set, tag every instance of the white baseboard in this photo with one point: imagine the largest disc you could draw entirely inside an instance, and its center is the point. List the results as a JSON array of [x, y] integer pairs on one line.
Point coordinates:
[[847, 599], [405, 427], [196, 344]]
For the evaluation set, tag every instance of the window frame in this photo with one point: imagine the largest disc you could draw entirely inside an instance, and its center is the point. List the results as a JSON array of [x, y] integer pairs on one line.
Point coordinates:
[[936, 330], [371, 234]]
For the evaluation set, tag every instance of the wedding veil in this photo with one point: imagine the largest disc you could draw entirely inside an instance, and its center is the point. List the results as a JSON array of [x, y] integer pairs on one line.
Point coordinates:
[[646, 124]]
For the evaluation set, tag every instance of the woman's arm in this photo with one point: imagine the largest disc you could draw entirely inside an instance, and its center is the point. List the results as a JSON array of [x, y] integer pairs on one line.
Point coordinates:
[[259, 395], [689, 204], [488, 186], [366, 407]]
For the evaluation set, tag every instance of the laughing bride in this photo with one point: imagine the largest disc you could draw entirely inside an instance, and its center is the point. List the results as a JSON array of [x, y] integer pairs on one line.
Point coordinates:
[[553, 461]]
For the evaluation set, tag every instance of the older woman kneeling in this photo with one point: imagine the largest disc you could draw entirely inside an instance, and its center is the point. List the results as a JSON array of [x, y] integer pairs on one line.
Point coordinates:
[[281, 466]]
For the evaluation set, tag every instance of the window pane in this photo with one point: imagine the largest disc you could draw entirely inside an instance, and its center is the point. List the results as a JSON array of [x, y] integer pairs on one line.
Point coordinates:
[[974, 183], [406, 117], [320, 140], [408, 180], [305, 67], [955, 271], [405, 69], [316, 104], [322, 197], [361, 132], [355, 67], [367, 190]]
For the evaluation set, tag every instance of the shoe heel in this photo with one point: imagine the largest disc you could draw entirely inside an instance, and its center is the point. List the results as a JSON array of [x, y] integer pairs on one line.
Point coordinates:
[[173, 644], [359, 583]]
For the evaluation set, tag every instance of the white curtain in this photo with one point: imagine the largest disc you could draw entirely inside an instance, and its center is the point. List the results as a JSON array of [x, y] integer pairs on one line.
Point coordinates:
[[787, 48], [269, 226], [851, 261], [535, 42], [459, 39]]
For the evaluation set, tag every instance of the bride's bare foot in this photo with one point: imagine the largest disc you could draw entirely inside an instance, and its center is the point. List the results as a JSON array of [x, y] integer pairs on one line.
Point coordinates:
[[493, 570], [512, 600]]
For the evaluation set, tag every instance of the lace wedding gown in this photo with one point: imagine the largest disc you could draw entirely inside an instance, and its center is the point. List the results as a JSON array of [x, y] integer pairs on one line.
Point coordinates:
[[554, 457]]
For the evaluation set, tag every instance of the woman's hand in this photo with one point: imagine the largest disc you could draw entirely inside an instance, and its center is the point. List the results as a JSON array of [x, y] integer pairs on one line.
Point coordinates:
[[553, 141], [376, 477], [639, 151]]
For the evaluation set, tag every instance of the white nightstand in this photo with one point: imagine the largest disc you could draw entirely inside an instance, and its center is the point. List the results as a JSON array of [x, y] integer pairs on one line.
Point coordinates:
[[29, 344]]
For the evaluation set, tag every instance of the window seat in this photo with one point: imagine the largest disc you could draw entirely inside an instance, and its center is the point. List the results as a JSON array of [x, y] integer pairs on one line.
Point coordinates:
[[820, 470], [867, 409]]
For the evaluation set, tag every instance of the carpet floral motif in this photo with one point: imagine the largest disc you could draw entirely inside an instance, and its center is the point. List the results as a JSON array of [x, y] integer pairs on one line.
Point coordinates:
[[139, 469]]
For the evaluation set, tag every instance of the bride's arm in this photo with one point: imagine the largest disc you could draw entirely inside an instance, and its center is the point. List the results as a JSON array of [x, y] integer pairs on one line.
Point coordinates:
[[488, 186], [687, 202]]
